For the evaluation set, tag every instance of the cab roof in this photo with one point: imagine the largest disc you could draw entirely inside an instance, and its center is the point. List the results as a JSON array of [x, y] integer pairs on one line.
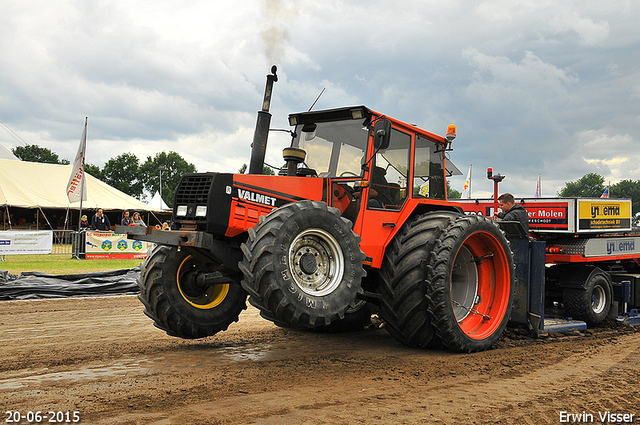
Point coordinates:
[[356, 112]]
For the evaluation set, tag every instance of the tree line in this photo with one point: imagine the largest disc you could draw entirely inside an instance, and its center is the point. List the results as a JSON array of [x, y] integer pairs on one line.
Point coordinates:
[[592, 186], [125, 172]]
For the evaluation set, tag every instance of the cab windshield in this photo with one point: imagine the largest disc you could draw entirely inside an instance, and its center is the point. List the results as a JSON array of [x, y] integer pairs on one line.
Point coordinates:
[[334, 149]]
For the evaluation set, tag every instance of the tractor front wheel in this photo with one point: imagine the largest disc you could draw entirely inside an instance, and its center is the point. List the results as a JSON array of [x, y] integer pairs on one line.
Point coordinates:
[[187, 297]]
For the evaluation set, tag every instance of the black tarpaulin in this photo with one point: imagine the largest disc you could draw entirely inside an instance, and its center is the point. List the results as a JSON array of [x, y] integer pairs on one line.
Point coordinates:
[[28, 285]]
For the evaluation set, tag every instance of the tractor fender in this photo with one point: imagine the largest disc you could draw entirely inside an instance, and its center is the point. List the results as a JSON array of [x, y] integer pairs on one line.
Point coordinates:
[[412, 209]]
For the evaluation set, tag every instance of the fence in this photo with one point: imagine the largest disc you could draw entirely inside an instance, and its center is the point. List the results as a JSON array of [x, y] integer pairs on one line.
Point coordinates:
[[63, 241], [72, 242]]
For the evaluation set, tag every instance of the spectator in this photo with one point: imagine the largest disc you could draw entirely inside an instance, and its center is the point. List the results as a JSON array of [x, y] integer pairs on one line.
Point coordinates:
[[84, 223], [101, 222], [137, 220], [126, 220]]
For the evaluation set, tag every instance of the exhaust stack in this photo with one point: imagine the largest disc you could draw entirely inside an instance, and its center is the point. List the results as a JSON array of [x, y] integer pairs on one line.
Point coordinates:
[[259, 146]]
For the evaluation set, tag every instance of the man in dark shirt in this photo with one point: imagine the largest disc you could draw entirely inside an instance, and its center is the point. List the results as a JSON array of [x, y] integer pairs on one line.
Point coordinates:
[[100, 222], [126, 220], [512, 211]]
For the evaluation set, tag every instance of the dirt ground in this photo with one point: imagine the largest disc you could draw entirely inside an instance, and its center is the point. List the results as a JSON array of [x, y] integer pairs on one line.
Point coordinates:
[[102, 358]]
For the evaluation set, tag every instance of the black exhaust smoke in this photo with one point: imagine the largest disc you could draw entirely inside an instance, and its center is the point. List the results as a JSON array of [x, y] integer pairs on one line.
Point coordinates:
[[259, 146]]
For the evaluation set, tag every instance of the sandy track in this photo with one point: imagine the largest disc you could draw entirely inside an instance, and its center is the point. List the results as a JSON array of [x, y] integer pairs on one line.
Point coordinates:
[[103, 358]]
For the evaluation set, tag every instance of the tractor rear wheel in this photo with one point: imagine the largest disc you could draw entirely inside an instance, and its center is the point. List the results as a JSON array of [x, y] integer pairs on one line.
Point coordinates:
[[471, 277], [302, 265], [181, 302], [403, 283]]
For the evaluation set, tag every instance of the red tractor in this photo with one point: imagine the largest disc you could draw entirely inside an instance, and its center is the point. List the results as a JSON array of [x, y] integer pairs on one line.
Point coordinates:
[[357, 222]]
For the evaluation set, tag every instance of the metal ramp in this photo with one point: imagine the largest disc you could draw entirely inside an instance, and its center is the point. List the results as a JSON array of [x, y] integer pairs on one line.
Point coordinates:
[[561, 324]]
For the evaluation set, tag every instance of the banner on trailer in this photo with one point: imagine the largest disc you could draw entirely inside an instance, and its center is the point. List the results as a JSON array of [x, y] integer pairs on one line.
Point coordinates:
[[19, 242], [542, 215], [548, 216], [114, 245], [604, 214]]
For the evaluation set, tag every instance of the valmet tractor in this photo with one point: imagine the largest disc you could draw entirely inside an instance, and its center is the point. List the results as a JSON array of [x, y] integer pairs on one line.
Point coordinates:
[[358, 221]]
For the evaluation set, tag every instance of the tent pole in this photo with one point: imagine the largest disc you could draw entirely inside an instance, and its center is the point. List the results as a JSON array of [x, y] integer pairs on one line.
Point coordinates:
[[66, 219], [8, 216], [45, 217]]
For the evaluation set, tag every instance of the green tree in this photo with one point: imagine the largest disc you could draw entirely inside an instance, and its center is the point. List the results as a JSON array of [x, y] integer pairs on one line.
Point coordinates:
[[34, 153], [175, 167], [94, 170], [123, 173], [588, 186], [266, 170], [451, 192], [627, 189]]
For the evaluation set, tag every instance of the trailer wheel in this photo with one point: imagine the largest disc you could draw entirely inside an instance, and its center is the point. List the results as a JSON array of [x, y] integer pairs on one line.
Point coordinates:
[[302, 265], [181, 306], [471, 276], [592, 303], [403, 283]]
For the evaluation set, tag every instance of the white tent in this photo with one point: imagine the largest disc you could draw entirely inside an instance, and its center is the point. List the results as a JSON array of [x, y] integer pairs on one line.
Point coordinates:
[[157, 202], [36, 185], [7, 154]]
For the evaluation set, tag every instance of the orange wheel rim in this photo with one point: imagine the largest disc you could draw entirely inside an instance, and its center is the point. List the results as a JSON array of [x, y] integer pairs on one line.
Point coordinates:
[[480, 285]]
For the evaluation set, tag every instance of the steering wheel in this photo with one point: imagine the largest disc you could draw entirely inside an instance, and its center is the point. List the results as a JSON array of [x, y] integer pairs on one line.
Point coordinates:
[[348, 173]]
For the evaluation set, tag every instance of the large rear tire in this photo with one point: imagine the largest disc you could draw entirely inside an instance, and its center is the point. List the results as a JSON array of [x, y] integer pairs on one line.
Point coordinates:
[[302, 265], [471, 278], [403, 283], [178, 304]]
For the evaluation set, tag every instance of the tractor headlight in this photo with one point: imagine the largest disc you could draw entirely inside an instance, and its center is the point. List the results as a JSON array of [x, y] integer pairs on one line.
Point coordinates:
[[181, 211], [201, 211]]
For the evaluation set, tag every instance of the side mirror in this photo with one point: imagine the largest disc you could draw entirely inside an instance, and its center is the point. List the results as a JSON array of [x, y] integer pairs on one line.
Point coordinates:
[[309, 131], [382, 134]]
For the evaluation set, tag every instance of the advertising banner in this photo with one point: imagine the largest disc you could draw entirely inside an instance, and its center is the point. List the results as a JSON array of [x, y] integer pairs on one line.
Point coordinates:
[[565, 215], [548, 216], [114, 245], [542, 215], [20, 242], [604, 214]]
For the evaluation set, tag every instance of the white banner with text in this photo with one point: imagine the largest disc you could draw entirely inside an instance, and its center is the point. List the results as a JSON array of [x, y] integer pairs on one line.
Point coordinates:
[[19, 242]]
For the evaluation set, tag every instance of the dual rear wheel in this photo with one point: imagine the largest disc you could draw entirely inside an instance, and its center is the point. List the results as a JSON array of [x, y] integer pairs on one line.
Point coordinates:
[[447, 280]]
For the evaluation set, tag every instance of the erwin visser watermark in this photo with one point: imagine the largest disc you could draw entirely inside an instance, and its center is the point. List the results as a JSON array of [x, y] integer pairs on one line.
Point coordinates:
[[600, 417]]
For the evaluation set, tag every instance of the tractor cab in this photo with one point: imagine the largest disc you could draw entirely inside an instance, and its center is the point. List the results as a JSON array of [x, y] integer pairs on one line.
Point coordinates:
[[380, 169]]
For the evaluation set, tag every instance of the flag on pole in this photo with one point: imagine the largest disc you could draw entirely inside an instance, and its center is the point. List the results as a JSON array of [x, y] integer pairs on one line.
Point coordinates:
[[76, 184], [605, 194], [466, 190], [538, 194]]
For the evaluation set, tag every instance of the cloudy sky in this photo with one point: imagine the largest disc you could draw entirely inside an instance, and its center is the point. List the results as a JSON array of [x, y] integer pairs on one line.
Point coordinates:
[[534, 87]]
